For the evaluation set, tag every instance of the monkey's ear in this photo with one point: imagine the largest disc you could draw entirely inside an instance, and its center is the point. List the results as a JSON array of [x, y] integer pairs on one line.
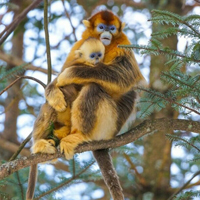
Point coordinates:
[[86, 23], [123, 25], [78, 54]]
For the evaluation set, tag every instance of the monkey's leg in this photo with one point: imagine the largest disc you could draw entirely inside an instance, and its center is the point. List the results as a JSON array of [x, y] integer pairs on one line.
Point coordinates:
[[40, 132], [41, 129], [125, 106], [94, 117], [109, 174]]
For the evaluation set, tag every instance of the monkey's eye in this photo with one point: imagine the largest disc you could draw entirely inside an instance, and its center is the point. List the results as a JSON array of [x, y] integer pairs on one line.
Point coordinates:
[[100, 27], [112, 29], [92, 55], [99, 55]]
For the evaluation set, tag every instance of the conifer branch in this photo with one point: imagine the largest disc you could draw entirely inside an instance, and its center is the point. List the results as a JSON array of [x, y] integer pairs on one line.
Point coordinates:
[[176, 17], [184, 186], [160, 51], [146, 127], [65, 182], [174, 137], [180, 81], [169, 100]]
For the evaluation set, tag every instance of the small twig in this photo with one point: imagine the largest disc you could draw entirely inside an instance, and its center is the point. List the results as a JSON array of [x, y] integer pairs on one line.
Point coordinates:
[[67, 14], [20, 185], [14, 156], [159, 51], [19, 78], [34, 79], [9, 86], [169, 100], [137, 174], [179, 190], [47, 40], [65, 183], [179, 138], [16, 22]]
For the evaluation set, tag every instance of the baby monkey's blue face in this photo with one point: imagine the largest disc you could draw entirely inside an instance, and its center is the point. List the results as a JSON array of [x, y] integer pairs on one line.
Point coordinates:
[[96, 57]]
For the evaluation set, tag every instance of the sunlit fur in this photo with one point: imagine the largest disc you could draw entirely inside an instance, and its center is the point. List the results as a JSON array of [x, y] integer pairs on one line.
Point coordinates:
[[62, 119], [107, 97]]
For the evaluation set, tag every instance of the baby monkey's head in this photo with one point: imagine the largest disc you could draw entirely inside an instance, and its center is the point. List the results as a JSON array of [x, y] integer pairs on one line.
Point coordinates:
[[91, 51]]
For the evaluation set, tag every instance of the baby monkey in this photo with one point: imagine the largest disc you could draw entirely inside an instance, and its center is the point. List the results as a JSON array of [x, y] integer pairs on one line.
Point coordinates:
[[90, 53]]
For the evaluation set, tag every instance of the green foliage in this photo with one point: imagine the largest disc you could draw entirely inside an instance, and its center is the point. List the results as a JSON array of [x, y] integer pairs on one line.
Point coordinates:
[[187, 143], [14, 184], [189, 195], [183, 87], [7, 74], [78, 172], [184, 92]]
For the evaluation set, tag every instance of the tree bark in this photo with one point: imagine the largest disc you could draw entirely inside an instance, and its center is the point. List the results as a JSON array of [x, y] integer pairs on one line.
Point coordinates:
[[14, 93], [157, 149], [146, 127]]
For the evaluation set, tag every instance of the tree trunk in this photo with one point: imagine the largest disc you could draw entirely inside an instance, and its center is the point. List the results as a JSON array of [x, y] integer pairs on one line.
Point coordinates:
[[157, 149], [14, 93]]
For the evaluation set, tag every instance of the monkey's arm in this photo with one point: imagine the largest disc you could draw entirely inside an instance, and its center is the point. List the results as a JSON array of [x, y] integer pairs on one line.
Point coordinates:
[[55, 97], [117, 78]]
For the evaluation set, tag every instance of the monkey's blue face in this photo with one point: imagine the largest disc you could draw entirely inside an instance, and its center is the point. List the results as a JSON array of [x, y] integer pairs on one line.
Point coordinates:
[[107, 32], [96, 57], [103, 27]]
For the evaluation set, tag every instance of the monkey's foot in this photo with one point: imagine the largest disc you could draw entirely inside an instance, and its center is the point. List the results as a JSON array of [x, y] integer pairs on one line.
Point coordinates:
[[56, 100], [44, 146], [69, 143], [67, 148], [62, 132]]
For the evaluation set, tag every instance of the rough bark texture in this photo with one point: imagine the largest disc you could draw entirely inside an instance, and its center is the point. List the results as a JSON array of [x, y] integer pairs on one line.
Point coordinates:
[[142, 129]]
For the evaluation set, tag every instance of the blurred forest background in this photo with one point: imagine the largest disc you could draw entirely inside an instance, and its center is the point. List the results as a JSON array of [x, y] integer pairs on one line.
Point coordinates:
[[151, 168]]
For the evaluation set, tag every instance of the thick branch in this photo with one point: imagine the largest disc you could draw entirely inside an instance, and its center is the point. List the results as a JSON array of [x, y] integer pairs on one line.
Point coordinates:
[[146, 127]]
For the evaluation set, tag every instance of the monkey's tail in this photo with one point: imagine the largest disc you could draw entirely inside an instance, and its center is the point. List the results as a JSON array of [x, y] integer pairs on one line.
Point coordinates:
[[31, 182], [110, 176]]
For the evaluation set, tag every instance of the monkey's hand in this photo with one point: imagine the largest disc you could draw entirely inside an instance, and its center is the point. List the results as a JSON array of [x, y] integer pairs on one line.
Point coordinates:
[[64, 78], [55, 97], [44, 146]]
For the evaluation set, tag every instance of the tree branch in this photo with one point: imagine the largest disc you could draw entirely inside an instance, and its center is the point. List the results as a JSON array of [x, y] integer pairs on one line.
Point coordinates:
[[146, 127], [184, 186], [17, 21], [9, 146], [22, 77], [13, 60]]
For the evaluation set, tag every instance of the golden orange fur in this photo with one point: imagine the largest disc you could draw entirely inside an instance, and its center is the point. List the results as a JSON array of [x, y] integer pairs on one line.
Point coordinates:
[[106, 98]]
